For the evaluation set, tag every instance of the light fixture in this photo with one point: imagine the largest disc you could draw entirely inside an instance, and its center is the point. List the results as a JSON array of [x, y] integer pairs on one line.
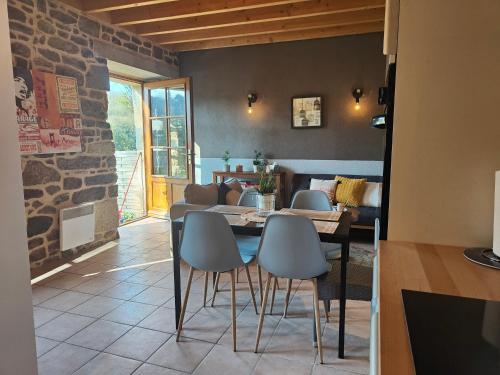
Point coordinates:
[[357, 93], [252, 98]]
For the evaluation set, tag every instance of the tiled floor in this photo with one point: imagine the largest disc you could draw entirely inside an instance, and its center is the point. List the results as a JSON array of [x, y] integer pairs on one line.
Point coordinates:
[[113, 314]]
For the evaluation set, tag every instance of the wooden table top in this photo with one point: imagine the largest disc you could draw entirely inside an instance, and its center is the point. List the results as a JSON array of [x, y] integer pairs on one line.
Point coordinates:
[[426, 268]]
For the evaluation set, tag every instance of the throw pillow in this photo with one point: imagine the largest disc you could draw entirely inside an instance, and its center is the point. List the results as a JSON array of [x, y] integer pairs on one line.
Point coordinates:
[[201, 194], [350, 190], [373, 195], [328, 186], [233, 197], [234, 184]]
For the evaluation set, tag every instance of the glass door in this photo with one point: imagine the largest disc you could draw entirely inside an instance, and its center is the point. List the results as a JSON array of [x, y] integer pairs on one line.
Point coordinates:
[[169, 140]]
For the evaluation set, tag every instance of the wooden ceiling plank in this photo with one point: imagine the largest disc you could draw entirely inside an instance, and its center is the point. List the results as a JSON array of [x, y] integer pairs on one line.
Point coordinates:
[[250, 16], [326, 32], [99, 6], [336, 19], [188, 8]]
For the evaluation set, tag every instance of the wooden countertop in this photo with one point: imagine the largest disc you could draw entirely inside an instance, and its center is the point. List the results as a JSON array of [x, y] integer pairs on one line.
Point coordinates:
[[426, 268]]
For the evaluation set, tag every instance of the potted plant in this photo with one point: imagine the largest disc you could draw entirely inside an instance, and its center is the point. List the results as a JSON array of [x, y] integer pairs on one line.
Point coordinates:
[[257, 161], [266, 200], [226, 157]]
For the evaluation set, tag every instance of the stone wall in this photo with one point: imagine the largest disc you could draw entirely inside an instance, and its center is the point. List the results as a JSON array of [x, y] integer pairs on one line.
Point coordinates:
[[49, 36]]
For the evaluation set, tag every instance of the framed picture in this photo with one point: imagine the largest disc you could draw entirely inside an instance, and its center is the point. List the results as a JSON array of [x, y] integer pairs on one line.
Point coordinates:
[[307, 112]]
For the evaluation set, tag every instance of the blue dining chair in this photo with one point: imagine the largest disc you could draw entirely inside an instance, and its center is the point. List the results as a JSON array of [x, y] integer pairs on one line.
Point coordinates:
[[290, 248], [208, 244]]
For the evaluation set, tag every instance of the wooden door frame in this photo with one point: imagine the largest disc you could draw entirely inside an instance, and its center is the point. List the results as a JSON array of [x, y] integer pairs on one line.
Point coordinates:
[[178, 82]]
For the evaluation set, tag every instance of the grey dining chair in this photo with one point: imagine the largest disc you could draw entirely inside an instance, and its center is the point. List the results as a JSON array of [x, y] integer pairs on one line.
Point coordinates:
[[319, 201], [208, 244], [290, 248]]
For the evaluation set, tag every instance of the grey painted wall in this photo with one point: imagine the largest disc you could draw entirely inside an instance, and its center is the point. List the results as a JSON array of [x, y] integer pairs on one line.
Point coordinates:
[[222, 78]]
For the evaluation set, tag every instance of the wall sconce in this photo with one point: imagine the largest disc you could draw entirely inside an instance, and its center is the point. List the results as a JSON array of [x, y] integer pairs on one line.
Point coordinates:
[[252, 98], [357, 93]]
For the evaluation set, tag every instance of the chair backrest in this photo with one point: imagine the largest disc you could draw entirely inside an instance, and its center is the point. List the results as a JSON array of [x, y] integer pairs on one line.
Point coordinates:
[[248, 198], [376, 238], [290, 248], [208, 243], [311, 200]]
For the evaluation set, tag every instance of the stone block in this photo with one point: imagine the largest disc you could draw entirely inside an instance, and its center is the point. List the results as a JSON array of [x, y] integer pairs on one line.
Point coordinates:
[[89, 195], [131, 46], [63, 17], [77, 63], [101, 179], [50, 55], [63, 45], [37, 254], [79, 40], [93, 108], [37, 225], [20, 49], [65, 70], [113, 191], [16, 14], [61, 198], [79, 163], [35, 242], [89, 26], [123, 35], [52, 189], [22, 28], [32, 193], [46, 27], [35, 173], [98, 77], [157, 53], [47, 210], [72, 183]]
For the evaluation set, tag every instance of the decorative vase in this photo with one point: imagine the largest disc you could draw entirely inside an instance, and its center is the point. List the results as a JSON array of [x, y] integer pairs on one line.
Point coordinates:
[[227, 167], [266, 204], [239, 168]]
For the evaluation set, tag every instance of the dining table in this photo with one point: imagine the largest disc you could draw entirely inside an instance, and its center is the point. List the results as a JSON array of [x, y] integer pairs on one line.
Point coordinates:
[[332, 227]]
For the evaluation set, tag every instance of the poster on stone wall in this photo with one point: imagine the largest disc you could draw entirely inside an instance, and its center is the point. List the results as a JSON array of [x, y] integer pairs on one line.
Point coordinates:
[[56, 110]]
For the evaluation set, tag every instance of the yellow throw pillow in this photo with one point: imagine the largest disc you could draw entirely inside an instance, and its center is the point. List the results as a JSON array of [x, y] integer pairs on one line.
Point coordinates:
[[350, 190]]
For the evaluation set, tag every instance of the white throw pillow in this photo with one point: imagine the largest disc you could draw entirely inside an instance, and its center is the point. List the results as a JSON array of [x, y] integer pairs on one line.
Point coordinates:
[[373, 195], [328, 186]]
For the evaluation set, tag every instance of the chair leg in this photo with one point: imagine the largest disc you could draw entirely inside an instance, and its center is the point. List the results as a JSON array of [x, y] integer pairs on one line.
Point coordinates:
[[216, 286], [184, 304], [205, 290], [326, 304], [274, 294], [317, 318], [237, 275], [259, 275], [262, 312], [250, 286], [287, 298], [233, 308]]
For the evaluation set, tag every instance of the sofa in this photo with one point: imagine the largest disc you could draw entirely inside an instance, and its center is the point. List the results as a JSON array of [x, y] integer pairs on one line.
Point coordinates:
[[367, 215]]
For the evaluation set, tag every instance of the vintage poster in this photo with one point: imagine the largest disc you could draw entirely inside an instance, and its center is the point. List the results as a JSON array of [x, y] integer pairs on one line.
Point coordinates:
[[58, 109], [27, 117]]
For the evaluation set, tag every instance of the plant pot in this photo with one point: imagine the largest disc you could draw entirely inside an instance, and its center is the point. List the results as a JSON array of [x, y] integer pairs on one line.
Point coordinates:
[[227, 167], [255, 168], [239, 168], [266, 204]]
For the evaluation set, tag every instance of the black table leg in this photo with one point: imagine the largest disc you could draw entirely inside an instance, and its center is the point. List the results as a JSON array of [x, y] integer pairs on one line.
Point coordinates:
[[343, 285], [177, 272]]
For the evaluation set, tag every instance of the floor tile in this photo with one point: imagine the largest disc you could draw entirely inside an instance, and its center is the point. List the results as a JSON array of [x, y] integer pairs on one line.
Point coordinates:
[[206, 326], [138, 343], [130, 313], [124, 290], [66, 300], [43, 293], [97, 306], [223, 361], [148, 369], [185, 355], [92, 269], [109, 364], [44, 345], [163, 319], [154, 296], [270, 364], [64, 280], [325, 370], [120, 273], [63, 327], [195, 302], [96, 285], [42, 315], [64, 359], [99, 334], [146, 277]]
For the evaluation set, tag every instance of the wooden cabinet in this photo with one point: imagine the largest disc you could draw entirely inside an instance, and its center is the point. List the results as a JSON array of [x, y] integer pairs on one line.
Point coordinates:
[[219, 176]]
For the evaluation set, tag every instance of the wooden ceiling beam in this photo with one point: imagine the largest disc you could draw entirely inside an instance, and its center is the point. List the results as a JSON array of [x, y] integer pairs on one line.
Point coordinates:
[[98, 6], [187, 8], [305, 23], [250, 16], [325, 32]]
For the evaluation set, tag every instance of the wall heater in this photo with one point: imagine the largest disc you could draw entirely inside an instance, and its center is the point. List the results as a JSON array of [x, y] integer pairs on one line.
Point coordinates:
[[77, 226]]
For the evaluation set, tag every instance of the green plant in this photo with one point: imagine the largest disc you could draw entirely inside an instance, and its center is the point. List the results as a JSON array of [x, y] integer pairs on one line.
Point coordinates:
[[257, 160], [226, 157], [267, 184]]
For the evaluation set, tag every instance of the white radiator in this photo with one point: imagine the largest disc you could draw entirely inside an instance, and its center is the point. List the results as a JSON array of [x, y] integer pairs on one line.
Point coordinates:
[[77, 226]]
